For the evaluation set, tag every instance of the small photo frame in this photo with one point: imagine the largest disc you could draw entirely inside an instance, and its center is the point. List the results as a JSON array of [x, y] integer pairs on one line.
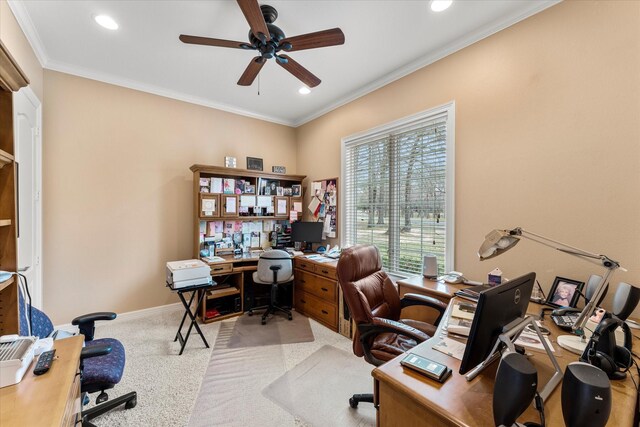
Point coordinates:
[[296, 190], [287, 191], [254, 163], [279, 191], [249, 189], [564, 292]]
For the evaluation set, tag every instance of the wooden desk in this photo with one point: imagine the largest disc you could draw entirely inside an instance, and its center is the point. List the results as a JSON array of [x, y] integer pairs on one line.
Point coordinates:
[[52, 399], [419, 284], [409, 399]]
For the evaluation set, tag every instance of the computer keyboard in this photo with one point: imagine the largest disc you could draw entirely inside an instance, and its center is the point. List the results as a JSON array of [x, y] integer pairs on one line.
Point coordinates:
[[565, 321]]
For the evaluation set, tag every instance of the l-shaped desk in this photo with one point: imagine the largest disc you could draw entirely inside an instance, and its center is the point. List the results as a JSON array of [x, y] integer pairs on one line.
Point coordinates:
[[410, 399]]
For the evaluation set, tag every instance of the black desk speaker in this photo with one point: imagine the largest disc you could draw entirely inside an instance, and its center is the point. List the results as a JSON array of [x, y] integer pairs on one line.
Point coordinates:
[[586, 396], [515, 388]]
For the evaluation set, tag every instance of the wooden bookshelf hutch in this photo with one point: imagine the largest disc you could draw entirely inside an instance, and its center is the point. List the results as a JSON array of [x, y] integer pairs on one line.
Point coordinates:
[[235, 271], [11, 79]]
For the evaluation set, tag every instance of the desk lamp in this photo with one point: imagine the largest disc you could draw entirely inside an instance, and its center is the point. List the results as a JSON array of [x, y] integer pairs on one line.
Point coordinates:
[[499, 241]]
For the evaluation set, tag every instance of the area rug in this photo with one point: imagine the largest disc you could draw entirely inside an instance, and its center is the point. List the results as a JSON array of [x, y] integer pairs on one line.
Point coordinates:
[[249, 332], [318, 389]]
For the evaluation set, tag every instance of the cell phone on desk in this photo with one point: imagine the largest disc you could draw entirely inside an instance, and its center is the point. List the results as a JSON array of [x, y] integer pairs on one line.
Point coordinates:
[[434, 370]]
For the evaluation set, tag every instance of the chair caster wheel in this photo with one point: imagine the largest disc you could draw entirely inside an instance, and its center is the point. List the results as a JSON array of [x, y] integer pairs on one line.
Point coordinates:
[[353, 403], [290, 317], [264, 322], [102, 397], [250, 313], [131, 403]]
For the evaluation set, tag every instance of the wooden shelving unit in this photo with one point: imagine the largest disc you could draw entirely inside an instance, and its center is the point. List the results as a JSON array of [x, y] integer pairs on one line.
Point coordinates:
[[11, 79], [231, 300]]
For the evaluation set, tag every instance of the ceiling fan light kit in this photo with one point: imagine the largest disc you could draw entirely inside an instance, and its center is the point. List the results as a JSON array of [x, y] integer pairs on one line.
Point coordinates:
[[269, 40]]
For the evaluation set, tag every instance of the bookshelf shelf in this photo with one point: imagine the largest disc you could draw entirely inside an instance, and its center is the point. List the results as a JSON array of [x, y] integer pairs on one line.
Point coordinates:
[[5, 222], [219, 293], [6, 283], [5, 158]]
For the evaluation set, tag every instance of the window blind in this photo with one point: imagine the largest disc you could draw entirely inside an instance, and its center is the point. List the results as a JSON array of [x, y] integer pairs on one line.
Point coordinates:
[[396, 192]]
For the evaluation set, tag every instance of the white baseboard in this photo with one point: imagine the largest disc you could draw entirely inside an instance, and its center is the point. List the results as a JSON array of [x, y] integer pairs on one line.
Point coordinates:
[[130, 315]]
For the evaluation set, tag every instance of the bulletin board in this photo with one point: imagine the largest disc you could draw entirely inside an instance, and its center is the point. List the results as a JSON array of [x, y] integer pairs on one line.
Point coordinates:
[[324, 205]]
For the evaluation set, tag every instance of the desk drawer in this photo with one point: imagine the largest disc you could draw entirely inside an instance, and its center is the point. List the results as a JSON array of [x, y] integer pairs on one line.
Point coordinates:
[[305, 265], [222, 268], [316, 308], [316, 285], [326, 271]]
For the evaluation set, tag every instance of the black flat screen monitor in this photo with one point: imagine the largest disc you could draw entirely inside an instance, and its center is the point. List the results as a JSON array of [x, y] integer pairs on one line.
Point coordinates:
[[310, 232], [497, 307]]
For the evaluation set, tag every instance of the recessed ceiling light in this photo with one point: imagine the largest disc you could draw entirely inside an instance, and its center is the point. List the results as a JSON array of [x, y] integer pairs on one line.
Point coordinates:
[[107, 22], [304, 90], [440, 5]]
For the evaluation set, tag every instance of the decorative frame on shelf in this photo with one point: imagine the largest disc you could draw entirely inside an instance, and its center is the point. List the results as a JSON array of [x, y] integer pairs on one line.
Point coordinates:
[[254, 164], [281, 206], [564, 292]]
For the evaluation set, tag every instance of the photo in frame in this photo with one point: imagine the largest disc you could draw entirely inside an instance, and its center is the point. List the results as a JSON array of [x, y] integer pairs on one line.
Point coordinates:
[[296, 190], [564, 292]]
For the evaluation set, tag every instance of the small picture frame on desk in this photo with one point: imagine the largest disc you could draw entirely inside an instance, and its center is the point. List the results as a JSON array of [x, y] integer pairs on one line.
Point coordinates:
[[564, 292]]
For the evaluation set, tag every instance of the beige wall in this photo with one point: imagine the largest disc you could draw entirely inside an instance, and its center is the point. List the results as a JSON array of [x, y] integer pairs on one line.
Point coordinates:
[[118, 189], [547, 137], [13, 38]]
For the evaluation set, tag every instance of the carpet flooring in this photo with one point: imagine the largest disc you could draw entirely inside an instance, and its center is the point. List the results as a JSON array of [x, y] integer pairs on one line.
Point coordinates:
[[169, 385]]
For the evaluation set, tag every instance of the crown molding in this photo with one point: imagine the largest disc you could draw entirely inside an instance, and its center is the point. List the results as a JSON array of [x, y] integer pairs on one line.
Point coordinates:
[[24, 21], [469, 39], [155, 90]]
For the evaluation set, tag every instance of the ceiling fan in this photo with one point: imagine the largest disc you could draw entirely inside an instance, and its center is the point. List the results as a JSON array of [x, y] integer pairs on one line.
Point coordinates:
[[269, 40]]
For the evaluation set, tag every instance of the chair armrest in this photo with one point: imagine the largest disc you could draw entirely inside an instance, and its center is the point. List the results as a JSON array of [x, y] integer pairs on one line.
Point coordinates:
[[94, 351], [92, 317], [86, 322], [379, 326], [409, 300]]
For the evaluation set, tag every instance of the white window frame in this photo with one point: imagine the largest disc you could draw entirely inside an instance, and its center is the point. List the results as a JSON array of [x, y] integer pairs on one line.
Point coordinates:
[[447, 109]]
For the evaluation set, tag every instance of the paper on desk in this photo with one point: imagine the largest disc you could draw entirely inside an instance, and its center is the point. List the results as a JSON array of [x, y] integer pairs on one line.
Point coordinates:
[[450, 347], [263, 201], [530, 339]]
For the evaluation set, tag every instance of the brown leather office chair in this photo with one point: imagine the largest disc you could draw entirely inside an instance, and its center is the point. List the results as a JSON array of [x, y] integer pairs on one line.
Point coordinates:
[[375, 305]]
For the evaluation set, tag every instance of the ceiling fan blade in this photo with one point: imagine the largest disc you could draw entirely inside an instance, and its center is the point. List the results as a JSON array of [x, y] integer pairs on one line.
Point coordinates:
[[325, 38], [253, 14], [301, 73], [213, 42], [250, 73]]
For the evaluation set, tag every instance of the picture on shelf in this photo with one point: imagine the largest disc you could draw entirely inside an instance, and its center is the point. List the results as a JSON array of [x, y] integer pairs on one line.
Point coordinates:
[[249, 189], [270, 187], [254, 163], [296, 190], [279, 191], [287, 191]]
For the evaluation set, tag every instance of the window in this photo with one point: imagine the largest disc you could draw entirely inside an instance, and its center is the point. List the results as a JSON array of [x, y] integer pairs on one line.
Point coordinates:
[[398, 190]]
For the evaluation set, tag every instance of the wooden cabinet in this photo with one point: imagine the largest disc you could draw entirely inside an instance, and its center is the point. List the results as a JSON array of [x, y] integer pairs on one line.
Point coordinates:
[[226, 200], [11, 79], [316, 291]]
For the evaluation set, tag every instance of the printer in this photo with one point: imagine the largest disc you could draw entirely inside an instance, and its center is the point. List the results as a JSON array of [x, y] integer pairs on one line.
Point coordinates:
[[191, 272]]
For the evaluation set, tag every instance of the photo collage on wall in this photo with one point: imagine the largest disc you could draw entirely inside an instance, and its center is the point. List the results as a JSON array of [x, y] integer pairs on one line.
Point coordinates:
[[324, 205]]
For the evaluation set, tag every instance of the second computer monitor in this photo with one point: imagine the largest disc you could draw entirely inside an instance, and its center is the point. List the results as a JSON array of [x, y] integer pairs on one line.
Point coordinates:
[[309, 232]]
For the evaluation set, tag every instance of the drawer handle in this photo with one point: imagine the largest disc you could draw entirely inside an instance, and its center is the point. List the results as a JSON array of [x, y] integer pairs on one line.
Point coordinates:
[[325, 271], [325, 312], [218, 269], [325, 289], [303, 301], [302, 281]]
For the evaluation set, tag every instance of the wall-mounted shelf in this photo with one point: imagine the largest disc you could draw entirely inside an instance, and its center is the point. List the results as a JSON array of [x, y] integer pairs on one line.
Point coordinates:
[[6, 283], [5, 158]]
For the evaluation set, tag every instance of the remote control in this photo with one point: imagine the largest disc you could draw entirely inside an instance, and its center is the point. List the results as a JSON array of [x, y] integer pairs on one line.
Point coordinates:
[[44, 362]]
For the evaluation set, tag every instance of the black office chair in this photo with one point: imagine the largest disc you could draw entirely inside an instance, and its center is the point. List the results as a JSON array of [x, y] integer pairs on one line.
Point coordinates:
[[101, 360], [275, 267]]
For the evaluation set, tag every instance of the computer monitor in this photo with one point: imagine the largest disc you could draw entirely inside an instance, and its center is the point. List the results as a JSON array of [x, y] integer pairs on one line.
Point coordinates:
[[497, 307], [309, 232]]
